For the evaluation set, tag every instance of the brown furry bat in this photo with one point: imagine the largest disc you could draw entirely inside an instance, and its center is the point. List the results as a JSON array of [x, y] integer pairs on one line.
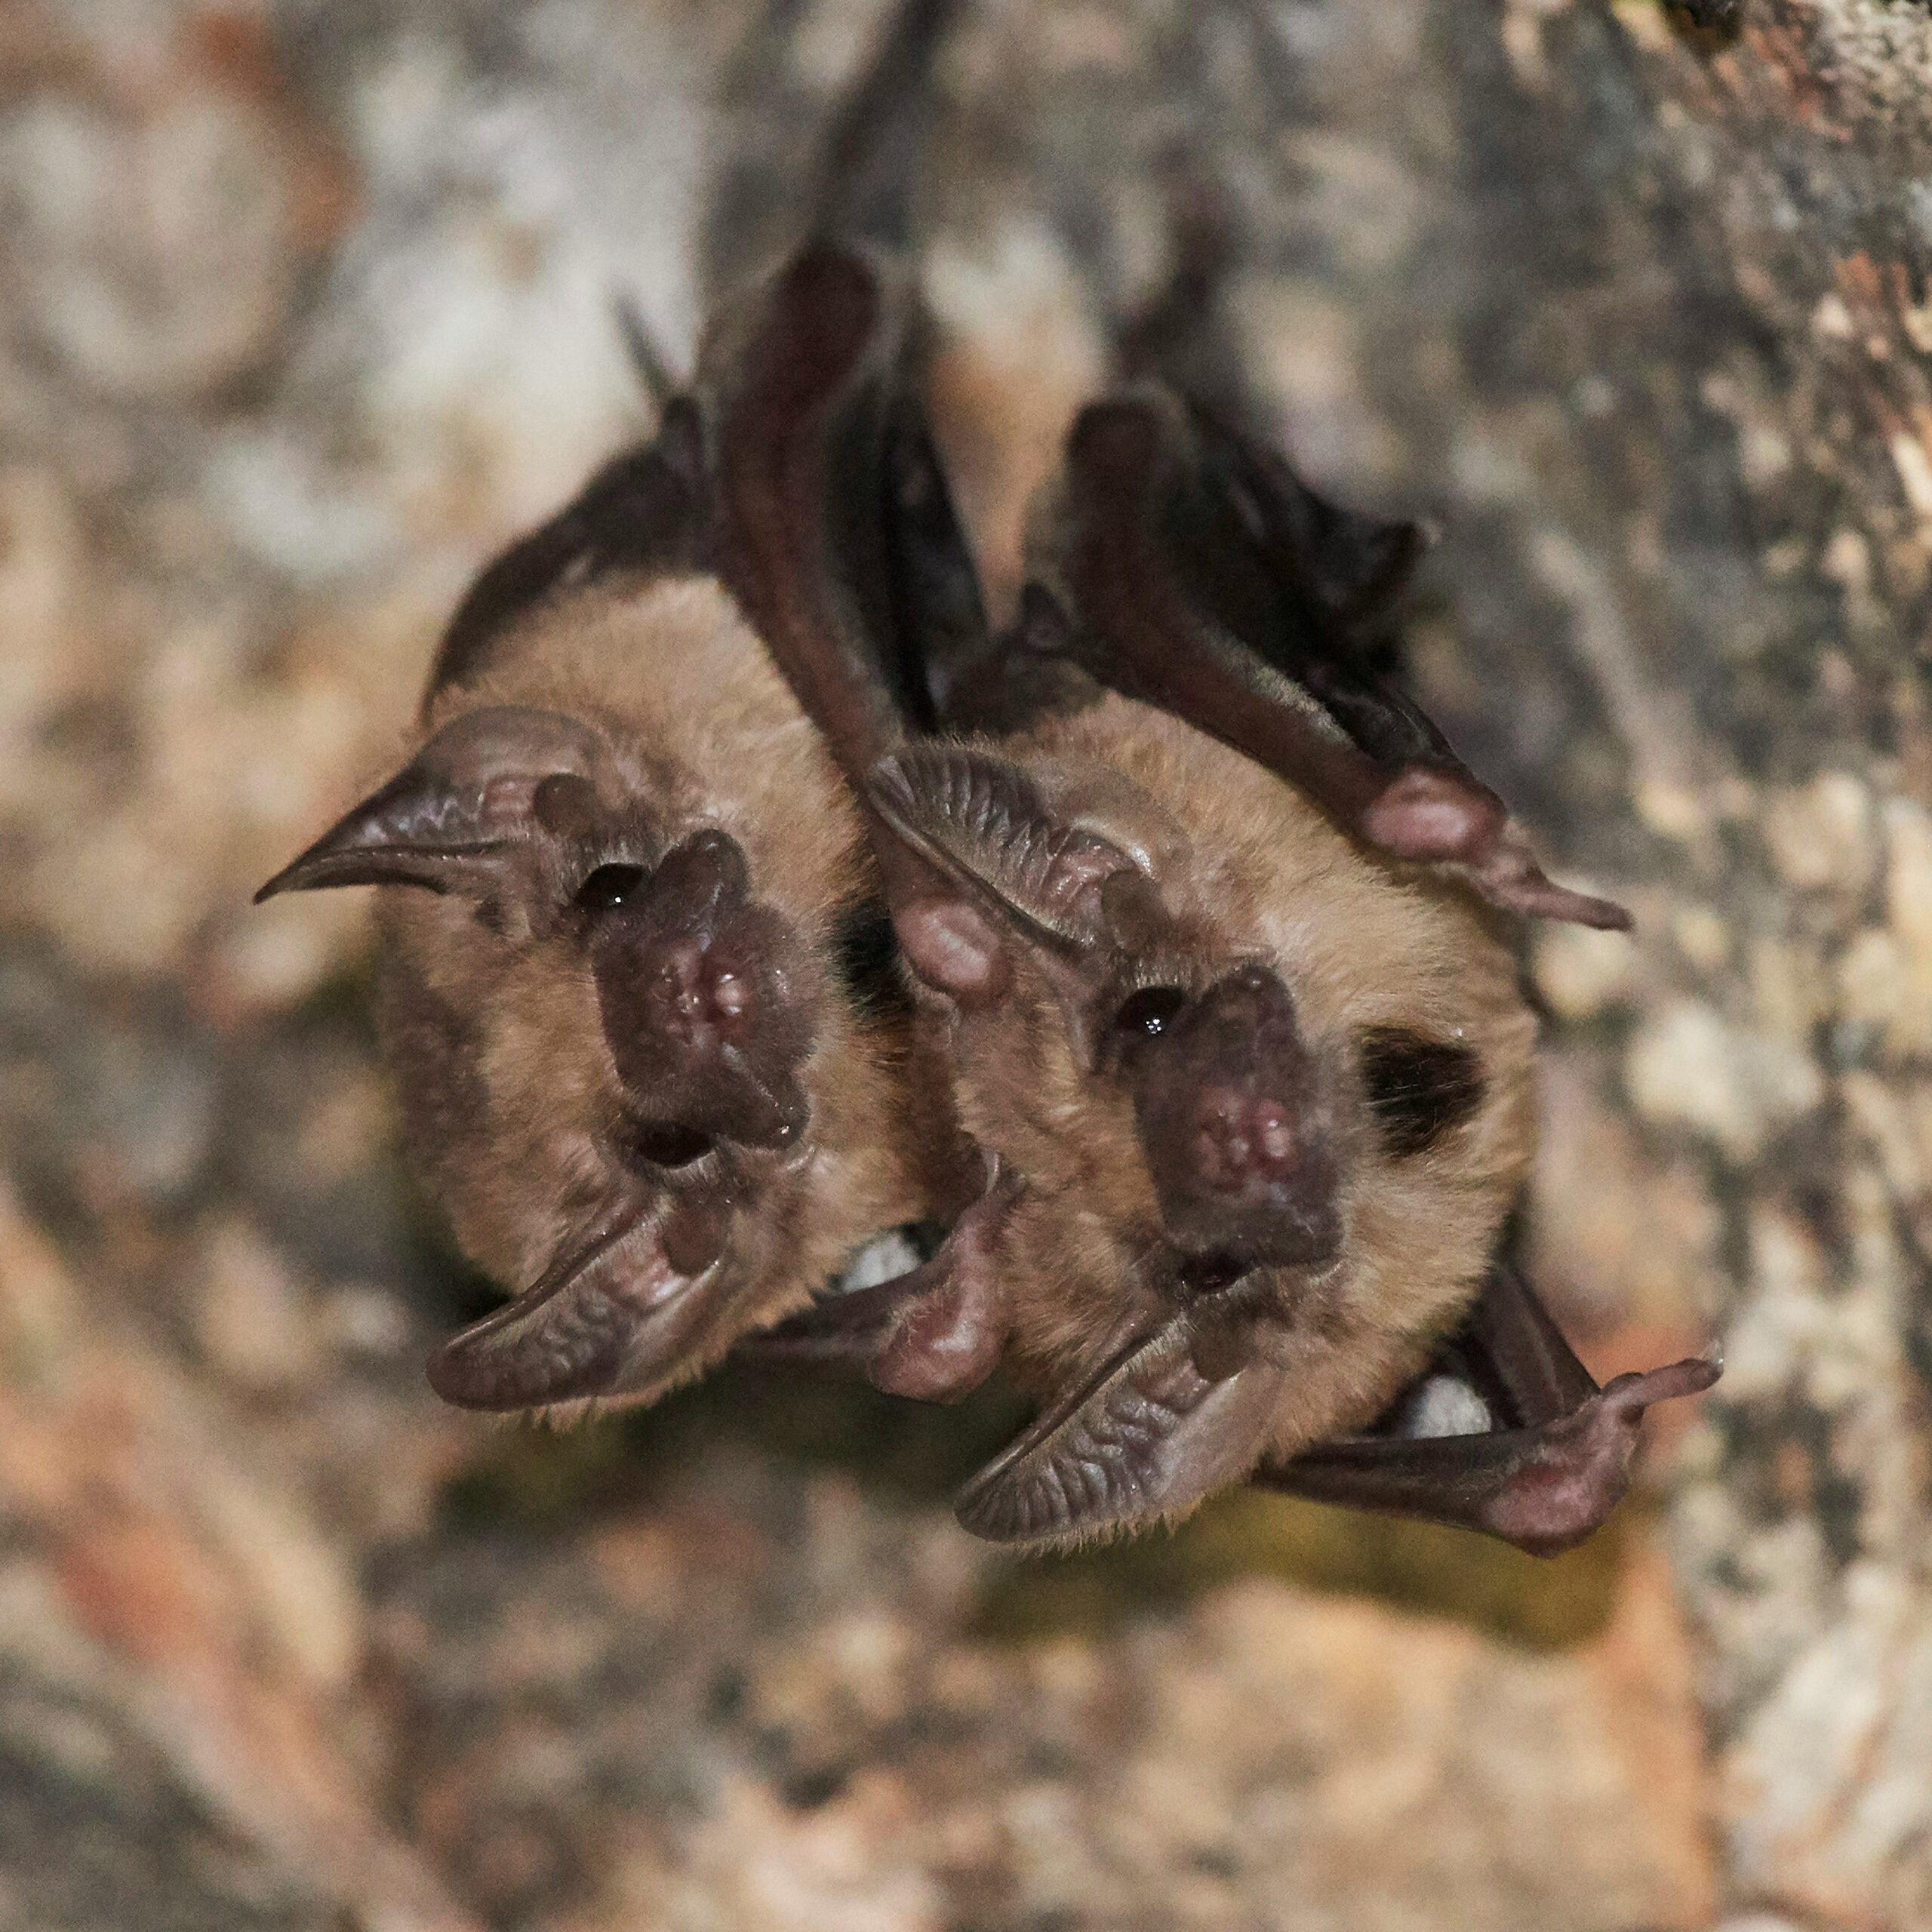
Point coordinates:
[[1246, 1058], [638, 987], [641, 1051]]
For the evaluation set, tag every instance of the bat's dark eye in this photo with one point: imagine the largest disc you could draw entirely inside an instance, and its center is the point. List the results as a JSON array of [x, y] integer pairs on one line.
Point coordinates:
[[1148, 1013], [608, 887]]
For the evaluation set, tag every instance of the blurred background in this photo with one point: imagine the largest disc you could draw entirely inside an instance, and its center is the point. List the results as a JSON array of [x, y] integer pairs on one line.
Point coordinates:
[[306, 309]]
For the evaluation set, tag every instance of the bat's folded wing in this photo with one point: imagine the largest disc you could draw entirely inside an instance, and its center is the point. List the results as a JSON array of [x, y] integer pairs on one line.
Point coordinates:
[[1505, 1432], [1203, 576]]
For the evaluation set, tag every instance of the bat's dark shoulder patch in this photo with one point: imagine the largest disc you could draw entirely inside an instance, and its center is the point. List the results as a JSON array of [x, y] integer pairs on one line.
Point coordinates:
[[1418, 1089], [865, 956]]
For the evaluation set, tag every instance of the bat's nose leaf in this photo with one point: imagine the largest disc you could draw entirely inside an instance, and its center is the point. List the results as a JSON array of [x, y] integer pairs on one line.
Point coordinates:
[[703, 1002]]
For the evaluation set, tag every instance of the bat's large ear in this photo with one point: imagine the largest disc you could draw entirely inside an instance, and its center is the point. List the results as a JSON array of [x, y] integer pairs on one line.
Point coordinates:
[[619, 1315], [1207, 580], [1505, 1432], [1149, 1437], [1005, 865], [471, 800]]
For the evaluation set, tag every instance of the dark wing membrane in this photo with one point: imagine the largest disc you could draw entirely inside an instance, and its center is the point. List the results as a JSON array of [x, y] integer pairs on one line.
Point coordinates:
[[1206, 578], [802, 395], [835, 528], [646, 511], [1539, 1455], [939, 614]]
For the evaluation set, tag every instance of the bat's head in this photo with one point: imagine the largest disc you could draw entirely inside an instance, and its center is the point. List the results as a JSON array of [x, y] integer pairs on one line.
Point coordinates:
[[1192, 1048], [1060, 895], [601, 1033]]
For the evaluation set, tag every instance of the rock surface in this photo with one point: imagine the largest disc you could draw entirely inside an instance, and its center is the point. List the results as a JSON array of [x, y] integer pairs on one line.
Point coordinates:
[[305, 308]]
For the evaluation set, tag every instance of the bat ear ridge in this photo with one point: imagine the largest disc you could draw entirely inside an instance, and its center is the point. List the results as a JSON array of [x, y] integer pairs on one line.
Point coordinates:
[[612, 1316], [1149, 1436], [486, 782], [985, 823]]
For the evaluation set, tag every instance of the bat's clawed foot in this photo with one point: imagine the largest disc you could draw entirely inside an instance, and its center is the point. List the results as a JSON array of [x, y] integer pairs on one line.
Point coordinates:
[[1508, 876], [1429, 816], [1543, 1486]]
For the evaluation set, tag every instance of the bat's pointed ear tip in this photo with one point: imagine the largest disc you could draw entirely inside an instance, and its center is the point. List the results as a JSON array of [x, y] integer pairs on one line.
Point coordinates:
[[287, 880], [329, 861]]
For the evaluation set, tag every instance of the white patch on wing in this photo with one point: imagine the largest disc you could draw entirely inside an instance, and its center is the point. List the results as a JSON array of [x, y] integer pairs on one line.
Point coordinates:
[[1444, 1406], [882, 1259]]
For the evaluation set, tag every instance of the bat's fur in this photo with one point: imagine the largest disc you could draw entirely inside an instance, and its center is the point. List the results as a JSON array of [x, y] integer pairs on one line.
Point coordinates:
[[513, 1102], [1255, 871]]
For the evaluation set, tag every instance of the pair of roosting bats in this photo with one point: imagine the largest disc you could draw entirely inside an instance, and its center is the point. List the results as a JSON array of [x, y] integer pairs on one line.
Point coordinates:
[[750, 899]]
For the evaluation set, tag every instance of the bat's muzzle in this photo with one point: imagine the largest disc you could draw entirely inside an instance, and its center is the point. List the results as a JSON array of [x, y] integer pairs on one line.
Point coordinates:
[[1238, 1127], [699, 988]]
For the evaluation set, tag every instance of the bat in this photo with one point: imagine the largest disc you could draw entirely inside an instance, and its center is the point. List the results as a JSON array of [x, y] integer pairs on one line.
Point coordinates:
[[1244, 1059], [636, 989]]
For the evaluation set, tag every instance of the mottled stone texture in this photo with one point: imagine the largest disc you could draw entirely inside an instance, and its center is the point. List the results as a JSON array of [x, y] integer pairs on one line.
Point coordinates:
[[1643, 320], [304, 308]]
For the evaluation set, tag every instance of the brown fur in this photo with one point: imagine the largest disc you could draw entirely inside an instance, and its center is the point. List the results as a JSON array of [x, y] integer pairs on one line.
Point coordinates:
[[512, 1099], [1259, 872]]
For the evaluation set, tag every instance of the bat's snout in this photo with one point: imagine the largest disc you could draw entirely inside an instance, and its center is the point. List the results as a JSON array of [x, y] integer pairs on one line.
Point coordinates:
[[1237, 1125], [698, 987]]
